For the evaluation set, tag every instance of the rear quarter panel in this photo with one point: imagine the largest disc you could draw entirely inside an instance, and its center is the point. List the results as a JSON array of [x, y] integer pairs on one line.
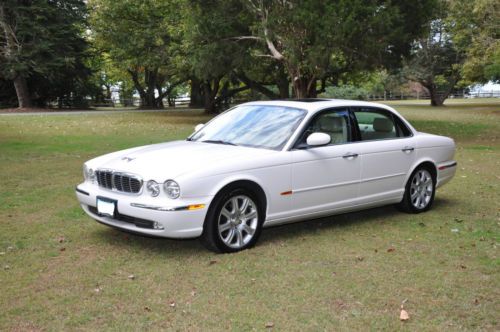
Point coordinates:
[[436, 149]]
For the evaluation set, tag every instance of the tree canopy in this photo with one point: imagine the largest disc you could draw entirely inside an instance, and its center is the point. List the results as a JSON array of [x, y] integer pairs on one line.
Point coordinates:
[[54, 50], [42, 49]]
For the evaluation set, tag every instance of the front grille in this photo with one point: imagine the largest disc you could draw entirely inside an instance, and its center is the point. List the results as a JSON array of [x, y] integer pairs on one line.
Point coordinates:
[[124, 182]]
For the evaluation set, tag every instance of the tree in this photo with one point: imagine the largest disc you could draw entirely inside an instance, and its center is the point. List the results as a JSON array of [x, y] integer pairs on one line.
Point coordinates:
[[42, 50], [317, 40], [436, 61], [476, 33], [212, 55], [140, 38]]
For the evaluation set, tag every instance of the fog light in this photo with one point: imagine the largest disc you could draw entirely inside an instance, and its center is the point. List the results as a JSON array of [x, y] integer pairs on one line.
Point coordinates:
[[157, 225]]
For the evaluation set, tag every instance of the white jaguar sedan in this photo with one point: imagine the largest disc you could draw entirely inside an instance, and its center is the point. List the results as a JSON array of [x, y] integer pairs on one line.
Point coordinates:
[[266, 163]]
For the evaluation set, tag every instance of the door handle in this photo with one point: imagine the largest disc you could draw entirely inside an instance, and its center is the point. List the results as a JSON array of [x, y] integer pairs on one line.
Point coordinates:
[[408, 149], [350, 155]]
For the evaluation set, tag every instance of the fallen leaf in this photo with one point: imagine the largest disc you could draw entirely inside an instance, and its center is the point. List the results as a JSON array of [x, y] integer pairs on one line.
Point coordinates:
[[172, 304], [463, 267], [131, 277], [193, 292], [360, 258], [212, 262], [147, 309], [476, 301], [403, 316], [269, 325], [391, 250], [61, 239], [62, 249], [458, 220]]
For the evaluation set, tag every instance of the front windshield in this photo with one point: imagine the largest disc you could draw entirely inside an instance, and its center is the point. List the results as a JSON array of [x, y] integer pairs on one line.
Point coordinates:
[[260, 126]]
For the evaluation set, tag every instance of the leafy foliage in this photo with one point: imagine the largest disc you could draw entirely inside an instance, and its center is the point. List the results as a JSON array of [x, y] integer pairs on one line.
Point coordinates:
[[476, 32], [140, 38], [318, 40], [42, 48]]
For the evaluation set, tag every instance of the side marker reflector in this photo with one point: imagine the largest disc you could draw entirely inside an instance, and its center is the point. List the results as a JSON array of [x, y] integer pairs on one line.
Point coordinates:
[[285, 193], [196, 206]]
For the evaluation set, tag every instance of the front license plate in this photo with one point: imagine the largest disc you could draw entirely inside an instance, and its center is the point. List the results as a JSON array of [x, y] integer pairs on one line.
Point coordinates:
[[106, 206]]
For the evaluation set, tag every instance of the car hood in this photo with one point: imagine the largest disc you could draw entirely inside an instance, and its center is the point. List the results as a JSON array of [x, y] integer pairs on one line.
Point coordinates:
[[169, 160]]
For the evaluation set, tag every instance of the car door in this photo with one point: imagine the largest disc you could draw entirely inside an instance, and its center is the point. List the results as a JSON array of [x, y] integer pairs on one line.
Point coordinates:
[[387, 150], [325, 178]]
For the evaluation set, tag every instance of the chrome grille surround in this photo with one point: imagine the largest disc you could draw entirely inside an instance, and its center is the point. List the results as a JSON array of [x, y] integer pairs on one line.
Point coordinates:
[[119, 181]]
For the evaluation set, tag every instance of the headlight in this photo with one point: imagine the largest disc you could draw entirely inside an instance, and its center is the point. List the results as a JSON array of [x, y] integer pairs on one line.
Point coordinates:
[[153, 188], [172, 189], [88, 173]]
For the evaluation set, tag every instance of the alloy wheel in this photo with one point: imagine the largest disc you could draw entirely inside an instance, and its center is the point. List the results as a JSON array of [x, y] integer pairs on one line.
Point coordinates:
[[421, 189], [238, 221]]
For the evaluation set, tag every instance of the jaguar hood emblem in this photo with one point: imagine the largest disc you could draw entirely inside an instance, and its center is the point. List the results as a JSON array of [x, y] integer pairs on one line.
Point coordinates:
[[128, 159]]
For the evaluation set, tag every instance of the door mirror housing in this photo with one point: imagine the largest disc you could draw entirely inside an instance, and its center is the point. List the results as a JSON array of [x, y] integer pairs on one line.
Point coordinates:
[[318, 139], [199, 126]]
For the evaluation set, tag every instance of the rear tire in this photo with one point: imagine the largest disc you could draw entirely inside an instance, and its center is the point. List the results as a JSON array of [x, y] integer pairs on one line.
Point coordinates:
[[419, 191], [233, 222]]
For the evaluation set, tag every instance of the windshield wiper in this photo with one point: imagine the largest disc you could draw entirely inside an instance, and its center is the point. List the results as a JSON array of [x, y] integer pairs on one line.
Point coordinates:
[[218, 142]]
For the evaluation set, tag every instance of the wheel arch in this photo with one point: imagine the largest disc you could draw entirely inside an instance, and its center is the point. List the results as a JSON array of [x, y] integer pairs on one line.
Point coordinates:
[[429, 164], [245, 183]]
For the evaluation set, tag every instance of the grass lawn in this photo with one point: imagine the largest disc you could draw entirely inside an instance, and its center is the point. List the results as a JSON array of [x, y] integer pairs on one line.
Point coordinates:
[[59, 270]]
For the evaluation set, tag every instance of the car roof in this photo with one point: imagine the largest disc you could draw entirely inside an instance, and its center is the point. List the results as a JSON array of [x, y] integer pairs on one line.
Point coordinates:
[[314, 104]]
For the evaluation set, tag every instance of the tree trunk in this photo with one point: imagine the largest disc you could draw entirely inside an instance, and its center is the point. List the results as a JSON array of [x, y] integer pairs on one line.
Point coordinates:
[[284, 88], [436, 98], [301, 87], [171, 101], [196, 93], [22, 91], [210, 93], [283, 83]]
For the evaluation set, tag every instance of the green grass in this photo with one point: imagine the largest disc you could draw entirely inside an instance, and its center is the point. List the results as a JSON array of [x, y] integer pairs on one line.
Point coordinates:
[[59, 270]]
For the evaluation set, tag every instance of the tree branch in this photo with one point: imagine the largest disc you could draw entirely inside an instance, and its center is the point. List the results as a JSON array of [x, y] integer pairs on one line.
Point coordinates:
[[245, 38], [259, 87], [270, 45]]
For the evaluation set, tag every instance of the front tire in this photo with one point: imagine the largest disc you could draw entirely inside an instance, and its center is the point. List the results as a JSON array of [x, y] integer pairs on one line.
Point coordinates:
[[234, 221], [419, 191]]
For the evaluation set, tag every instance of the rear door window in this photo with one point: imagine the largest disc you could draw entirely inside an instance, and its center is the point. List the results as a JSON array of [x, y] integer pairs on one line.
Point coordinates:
[[376, 124]]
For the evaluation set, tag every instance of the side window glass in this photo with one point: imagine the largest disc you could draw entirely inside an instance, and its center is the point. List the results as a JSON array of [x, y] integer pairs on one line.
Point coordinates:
[[334, 123], [375, 124]]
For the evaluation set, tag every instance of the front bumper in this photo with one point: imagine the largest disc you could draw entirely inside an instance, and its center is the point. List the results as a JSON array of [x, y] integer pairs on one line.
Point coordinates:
[[138, 213]]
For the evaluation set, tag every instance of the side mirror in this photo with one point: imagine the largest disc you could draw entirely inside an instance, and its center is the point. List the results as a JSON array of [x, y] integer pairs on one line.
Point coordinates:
[[199, 126], [318, 139]]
